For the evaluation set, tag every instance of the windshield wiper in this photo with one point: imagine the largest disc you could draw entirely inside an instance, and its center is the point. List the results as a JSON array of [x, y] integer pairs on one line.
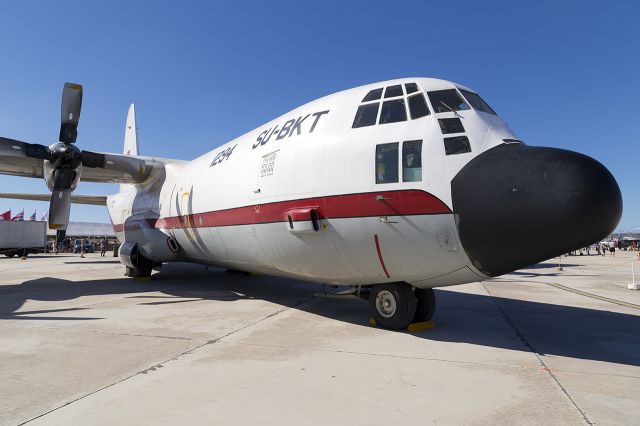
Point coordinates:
[[450, 109]]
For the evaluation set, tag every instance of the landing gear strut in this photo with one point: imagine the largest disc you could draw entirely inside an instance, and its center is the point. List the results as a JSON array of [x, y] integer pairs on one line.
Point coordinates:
[[396, 305]]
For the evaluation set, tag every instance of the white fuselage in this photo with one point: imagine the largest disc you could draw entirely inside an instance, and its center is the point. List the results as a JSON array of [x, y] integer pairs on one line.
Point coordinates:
[[247, 204]]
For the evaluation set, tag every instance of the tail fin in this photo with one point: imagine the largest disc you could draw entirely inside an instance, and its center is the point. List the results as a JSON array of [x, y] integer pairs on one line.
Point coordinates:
[[130, 139], [131, 133]]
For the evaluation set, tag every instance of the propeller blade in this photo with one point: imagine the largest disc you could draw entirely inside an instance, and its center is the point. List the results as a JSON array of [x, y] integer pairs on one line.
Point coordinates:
[[59, 208], [70, 112], [60, 204], [14, 148]]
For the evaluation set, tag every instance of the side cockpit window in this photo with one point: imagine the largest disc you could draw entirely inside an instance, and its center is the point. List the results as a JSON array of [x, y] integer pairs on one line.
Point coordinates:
[[412, 161], [387, 163], [397, 98]]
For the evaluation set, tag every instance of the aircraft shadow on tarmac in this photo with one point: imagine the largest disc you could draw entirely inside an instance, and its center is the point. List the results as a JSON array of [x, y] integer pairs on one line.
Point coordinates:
[[460, 317]]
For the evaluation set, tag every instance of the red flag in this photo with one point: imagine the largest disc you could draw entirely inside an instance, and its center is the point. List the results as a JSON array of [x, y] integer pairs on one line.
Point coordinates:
[[6, 215], [32, 217], [19, 216]]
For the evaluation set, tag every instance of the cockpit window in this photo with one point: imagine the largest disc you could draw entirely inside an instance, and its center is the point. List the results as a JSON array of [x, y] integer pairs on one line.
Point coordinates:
[[394, 106], [412, 161], [477, 102], [451, 125], [373, 95], [387, 163], [456, 145], [366, 115], [393, 91], [418, 106], [393, 111], [411, 87], [447, 100]]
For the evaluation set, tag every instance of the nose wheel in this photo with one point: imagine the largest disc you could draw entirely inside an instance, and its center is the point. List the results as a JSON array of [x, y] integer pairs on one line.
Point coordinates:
[[396, 305]]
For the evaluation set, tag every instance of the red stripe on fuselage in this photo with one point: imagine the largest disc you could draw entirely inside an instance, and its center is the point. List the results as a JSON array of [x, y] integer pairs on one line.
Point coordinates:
[[384, 203]]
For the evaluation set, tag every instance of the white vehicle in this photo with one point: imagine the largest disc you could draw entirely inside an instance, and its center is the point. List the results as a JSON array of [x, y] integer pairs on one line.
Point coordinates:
[[395, 188], [19, 238]]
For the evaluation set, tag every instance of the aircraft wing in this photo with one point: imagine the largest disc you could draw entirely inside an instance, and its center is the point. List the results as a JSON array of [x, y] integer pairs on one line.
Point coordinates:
[[118, 168], [25, 159], [15, 159], [96, 200]]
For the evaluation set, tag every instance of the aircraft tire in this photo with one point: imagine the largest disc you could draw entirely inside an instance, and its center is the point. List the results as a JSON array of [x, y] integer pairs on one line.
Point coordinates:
[[426, 304], [392, 305], [145, 266]]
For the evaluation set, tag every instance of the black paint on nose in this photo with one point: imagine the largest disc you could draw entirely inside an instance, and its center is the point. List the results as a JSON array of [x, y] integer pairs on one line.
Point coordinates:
[[517, 205]]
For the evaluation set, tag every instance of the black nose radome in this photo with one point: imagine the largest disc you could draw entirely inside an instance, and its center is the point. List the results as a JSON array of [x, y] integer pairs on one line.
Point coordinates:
[[517, 205]]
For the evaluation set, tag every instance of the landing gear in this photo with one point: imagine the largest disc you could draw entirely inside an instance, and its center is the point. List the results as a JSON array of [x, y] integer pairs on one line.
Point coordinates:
[[137, 265], [392, 305], [396, 305], [142, 270], [426, 304]]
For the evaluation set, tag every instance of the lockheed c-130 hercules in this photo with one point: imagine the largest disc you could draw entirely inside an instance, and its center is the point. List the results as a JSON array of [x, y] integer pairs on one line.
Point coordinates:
[[393, 188]]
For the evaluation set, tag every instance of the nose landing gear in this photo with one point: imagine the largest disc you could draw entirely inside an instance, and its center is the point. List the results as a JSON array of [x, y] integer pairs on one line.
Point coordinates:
[[396, 305]]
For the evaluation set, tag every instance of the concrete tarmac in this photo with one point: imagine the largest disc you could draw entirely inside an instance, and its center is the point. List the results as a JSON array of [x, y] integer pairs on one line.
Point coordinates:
[[82, 344]]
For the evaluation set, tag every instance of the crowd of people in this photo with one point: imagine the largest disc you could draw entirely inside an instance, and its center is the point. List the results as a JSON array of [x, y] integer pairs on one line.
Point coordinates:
[[604, 247], [79, 246]]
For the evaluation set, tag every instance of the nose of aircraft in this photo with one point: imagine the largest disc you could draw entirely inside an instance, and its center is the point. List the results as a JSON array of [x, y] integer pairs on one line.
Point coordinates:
[[517, 205]]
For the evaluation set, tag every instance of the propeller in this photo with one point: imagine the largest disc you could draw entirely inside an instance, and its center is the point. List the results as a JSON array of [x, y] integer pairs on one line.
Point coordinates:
[[70, 112], [63, 158]]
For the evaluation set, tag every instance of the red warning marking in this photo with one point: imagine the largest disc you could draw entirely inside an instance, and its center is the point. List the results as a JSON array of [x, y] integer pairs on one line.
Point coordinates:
[[384, 268]]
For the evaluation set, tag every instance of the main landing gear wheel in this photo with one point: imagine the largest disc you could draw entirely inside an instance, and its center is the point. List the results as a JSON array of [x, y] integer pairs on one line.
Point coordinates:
[[393, 305], [143, 269], [426, 304]]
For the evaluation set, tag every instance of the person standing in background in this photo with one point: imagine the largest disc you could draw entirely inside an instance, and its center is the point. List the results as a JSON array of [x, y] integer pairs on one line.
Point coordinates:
[[103, 247]]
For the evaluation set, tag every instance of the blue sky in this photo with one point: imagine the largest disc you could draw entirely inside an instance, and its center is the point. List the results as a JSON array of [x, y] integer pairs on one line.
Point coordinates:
[[561, 73]]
